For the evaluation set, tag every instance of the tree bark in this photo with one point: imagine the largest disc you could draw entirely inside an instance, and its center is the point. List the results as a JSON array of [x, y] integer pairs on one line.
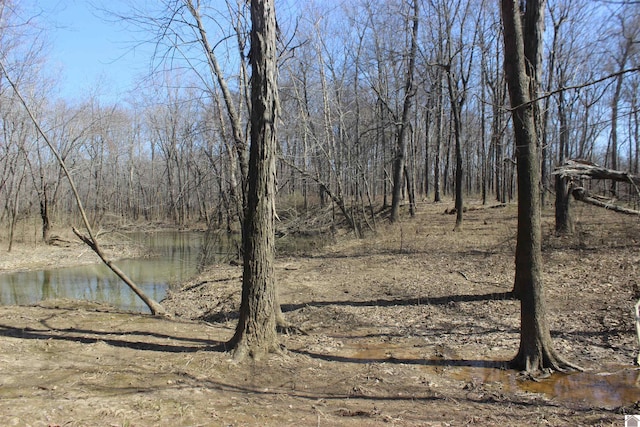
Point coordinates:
[[456, 107], [636, 314], [572, 170], [536, 352], [256, 330], [439, 131]]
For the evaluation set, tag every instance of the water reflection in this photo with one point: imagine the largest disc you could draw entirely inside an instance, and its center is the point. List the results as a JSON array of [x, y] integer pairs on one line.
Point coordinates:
[[175, 258], [605, 389], [619, 386], [614, 387]]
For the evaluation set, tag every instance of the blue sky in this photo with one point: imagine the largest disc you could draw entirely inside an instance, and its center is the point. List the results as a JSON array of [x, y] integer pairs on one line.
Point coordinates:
[[93, 55]]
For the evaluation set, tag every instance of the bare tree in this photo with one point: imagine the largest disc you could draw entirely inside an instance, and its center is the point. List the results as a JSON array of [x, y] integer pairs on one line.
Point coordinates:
[[458, 74], [256, 330], [628, 43], [232, 111], [399, 165], [492, 115], [46, 173], [536, 351], [564, 222]]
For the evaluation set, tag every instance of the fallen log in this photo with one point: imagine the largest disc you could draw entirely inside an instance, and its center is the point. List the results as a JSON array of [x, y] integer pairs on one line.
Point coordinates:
[[583, 195]]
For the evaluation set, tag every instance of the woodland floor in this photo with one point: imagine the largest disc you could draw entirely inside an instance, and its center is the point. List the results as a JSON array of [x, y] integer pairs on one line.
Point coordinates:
[[404, 328]]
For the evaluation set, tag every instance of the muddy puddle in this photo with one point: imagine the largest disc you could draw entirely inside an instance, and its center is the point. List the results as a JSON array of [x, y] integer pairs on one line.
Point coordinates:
[[611, 387]]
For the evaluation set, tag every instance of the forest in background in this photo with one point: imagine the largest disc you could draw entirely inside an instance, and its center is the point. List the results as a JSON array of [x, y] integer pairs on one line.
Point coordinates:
[[362, 85]]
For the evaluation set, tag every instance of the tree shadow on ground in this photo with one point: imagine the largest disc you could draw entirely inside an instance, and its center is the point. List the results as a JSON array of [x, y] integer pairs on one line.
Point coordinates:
[[322, 395], [223, 316], [380, 302], [121, 338], [88, 336], [471, 363]]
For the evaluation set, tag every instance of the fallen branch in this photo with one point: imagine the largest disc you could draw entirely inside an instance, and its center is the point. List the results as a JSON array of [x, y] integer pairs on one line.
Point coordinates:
[[336, 198], [574, 170], [578, 169], [583, 195]]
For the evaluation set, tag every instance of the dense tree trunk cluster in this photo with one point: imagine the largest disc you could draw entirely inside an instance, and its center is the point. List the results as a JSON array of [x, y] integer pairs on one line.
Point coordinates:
[[393, 103]]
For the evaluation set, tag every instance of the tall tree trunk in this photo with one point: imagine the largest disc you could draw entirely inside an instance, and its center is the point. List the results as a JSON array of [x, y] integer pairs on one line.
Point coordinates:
[[427, 158], [544, 149], [401, 146], [636, 136], [234, 117], [483, 143], [614, 128], [536, 352], [439, 135], [456, 107], [44, 215], [256, 330]]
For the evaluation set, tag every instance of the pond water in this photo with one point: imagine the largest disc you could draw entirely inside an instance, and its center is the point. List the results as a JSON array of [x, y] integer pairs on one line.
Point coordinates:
[[175, 258]]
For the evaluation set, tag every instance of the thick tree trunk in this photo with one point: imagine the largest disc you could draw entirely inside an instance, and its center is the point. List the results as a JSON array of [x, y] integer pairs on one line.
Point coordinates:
[[411, 189], [436, 162], [44, 215], [259, 310], [564, 220], [536, 352], [636, 314], [457, 125]]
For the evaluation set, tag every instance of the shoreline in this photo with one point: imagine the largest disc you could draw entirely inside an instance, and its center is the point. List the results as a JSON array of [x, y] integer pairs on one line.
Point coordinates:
[[31, 257]]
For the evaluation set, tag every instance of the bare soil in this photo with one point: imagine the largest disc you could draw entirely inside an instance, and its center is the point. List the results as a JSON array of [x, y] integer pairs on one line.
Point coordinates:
[[409, 327]]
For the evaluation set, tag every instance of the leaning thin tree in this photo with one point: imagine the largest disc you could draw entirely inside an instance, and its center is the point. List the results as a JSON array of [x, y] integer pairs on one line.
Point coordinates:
[[89, 239], [536, 351], [256, 330]]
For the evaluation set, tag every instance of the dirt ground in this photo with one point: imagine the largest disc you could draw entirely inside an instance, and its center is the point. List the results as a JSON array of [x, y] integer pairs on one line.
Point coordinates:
[[405, 328]]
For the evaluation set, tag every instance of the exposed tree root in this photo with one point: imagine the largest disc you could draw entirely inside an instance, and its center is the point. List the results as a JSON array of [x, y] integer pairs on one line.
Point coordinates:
[[541, 365], [242, 349]]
